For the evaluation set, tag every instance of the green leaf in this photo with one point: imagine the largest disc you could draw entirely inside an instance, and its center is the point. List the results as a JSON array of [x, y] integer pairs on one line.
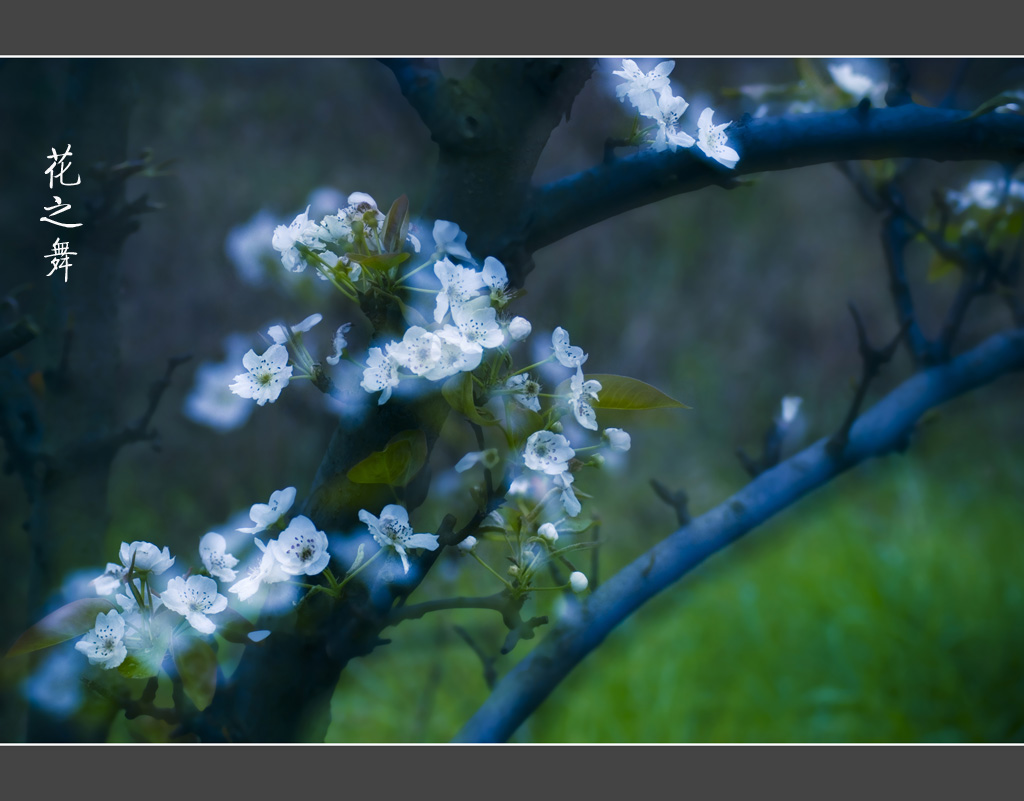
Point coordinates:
[[458, 391], [196, 664], [71, 620], [146, 663], [939, 268], [394, 224], [379, 261], [991, 105], [401, 459], [619, 392]]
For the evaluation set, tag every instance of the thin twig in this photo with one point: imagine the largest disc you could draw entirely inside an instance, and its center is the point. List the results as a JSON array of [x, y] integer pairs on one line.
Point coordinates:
[[487, 662], [678, 500]]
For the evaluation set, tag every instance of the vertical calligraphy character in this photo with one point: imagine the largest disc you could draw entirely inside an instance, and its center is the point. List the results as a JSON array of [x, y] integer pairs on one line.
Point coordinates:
[[60, 258], [61, 208], [58, 164]]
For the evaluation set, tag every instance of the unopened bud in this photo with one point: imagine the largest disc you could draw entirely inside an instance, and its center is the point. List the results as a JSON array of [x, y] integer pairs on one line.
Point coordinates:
[[556, 427], [513, 570], [519, 328], [548, 533], [578, 582], [618, 440], [468, 544]]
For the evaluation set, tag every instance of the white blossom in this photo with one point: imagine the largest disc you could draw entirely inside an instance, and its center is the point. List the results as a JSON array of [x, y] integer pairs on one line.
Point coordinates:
[[111, 579], [711, 139], [147, 557], [267, 514], [568, 497], [790, 409], [104, 644], [280, 336], [524, 391], [419, 351], [267, 375], [568, 355], [301, 549], [547, 452], [268, 571], [339, 344], [477, 321], [640, 84], [488, 458], [301, 230], [392, 530], [855, 78], [459, 285], [548, 533], [582, 393], [666, 110], [458, 354], [468, 545], [217, 561], [195, 599], [448, 238], [211, 402], [381, 372]]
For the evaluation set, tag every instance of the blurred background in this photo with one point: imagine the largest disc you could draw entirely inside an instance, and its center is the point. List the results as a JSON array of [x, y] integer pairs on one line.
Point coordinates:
[[886, 607]]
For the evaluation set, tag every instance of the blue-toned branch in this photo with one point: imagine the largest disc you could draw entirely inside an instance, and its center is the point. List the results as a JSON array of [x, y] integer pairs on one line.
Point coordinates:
[[884, 428], [773, 143]]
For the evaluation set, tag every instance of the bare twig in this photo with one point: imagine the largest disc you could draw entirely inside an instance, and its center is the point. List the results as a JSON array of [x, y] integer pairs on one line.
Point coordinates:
[[487, 662], [678, 500]]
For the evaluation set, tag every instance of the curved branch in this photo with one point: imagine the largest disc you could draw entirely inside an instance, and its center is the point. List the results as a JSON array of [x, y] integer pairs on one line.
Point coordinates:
[[774, 143], [884, 428]]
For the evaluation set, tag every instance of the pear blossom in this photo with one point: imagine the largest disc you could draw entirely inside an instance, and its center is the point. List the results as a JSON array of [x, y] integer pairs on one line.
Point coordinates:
[[264, 515], [582, 393], [495, 278], [640, 84], [547, 452], [339, 344], [195, 599], [268, 571], [381, 372], [488, 458], [130, 606], [211, 402], [147, 557], [104, 643], [568, 497], [468, 545], [578, 581], [217, 561], [477, 321], [419, 351], [247, 248], [713, 142], [666, 111], [280, 336], [302, 231], [519, 328], [459, 285], [267, 375], [524, 391], [458, 354], [392, 530], [448, 238], [567, 355], [301, 549], [618, 440], [111, 579]]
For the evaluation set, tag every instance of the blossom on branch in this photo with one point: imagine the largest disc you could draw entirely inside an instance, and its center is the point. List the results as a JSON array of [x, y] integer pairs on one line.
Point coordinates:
[[548, 452], [146, 557], [712, 140], [264, 515], [104, 644], [381, 372], [392, 530], [217, 561], [301, 549], [267, 375], [640, 85], [195, 599]]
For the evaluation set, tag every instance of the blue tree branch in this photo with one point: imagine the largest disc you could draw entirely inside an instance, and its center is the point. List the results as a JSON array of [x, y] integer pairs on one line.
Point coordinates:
[[884, 428], [774, 143]]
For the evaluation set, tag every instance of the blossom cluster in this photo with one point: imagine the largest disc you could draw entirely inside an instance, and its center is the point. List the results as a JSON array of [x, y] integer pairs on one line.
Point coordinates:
[[651, 94]]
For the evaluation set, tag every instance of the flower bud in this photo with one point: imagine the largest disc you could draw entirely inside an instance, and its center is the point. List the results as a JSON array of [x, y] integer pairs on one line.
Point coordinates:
[[578, 582], [519, 329], [548, 533], [618, 440], [513, 570], [468, 545], [556, 427], [597, 460]]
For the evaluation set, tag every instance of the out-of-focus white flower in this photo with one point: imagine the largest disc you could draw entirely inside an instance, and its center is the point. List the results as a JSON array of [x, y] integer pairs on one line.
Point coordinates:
[[569, 500], [258, 636], [104, 644], [211, 402], [147, 557], [488, 458], [111, 579], [195, 599], [267, 514], [301, 549], [216, 559], [578, 582], [267, 375], [268, 571], [248, 246], [548, 533], [392, 530], [280, 336], [639, 84], [711, 139], [568, 355], [525, 391], [519, 328], [860, 78], [547, 452], [790, 409], [618, 440], [340, 343], [448, 238]]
